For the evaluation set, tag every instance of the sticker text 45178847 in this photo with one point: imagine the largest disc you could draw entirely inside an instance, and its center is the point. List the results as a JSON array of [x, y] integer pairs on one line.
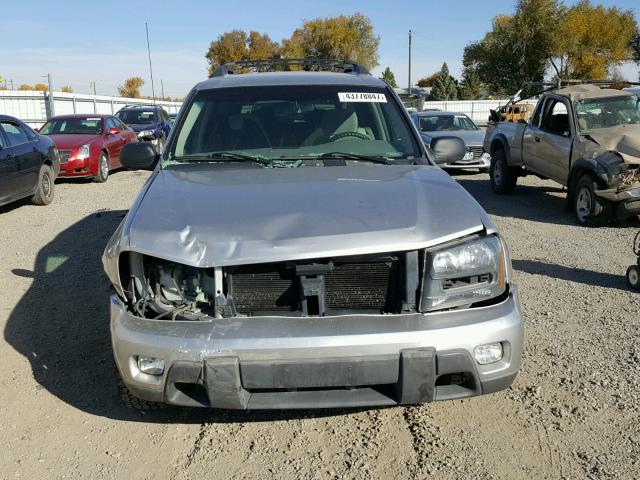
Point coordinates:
[[362, 97]]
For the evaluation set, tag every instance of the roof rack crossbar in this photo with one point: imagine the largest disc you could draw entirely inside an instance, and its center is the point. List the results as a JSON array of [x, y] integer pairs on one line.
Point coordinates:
[[279, 63]]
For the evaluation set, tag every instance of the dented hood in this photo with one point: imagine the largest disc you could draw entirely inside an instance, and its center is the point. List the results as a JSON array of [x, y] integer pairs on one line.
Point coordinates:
[[624, 139], [203, 216]]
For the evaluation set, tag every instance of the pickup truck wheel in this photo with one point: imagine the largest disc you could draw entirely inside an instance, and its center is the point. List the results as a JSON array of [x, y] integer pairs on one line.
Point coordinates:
[[44, 191], [590, 210], [503, 177]]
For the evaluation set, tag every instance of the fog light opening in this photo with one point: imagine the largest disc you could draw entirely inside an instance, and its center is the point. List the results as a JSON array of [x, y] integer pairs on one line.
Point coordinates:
[[150, 365], [488, 353]]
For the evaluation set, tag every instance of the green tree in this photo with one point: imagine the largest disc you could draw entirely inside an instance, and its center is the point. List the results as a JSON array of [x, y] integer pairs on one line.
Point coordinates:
[[470, 85], [444, 87], [389, 77], [346, 37], [131, 87], [426, 82]]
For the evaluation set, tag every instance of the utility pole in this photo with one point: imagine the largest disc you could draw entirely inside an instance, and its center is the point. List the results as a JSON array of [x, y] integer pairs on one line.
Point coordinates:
[[94, 88], [409, 89], [52, 108], [153, 91], [162, 88]]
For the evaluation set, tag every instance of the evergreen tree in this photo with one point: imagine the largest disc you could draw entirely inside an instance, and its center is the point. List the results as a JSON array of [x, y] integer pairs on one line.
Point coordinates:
[[444, 88], [389, 77]]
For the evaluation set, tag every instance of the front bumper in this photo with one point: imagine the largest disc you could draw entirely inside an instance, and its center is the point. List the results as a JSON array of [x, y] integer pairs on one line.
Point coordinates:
[[77, 168], [312, 362], [482, 162], [627, 201]]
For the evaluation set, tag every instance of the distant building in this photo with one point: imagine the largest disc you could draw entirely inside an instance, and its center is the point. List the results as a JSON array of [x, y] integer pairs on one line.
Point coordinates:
[[414, 99]]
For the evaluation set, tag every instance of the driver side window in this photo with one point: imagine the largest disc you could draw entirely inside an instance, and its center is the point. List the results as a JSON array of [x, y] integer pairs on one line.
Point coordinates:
[[556, 119]]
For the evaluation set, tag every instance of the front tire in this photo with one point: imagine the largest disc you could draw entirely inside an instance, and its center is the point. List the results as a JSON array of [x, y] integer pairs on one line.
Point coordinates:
[[103, 168], [503, 177], [44, 192], [590, 210]]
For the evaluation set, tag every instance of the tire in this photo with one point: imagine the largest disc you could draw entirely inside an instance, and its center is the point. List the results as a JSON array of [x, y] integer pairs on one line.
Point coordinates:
[[103, 169], [633, 277], [590, 210], [45, 189], [503, 177], [132, 402]]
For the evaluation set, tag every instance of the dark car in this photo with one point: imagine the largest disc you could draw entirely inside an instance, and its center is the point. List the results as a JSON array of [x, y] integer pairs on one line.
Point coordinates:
[[89, 144], [150, 123], [29, 163]]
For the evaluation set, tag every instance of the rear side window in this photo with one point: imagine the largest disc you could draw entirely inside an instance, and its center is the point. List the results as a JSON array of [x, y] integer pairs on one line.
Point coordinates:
[[15, 135]]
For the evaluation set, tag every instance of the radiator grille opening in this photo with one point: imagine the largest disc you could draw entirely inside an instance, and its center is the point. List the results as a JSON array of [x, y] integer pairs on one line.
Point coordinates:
[[264, 288], [359, 286]]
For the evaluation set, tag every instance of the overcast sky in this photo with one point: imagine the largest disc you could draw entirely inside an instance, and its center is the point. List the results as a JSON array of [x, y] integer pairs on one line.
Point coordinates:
[[79, 41]]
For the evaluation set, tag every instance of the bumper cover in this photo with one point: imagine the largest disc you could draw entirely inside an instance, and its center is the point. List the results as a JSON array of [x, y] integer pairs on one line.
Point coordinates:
[[354, 360]]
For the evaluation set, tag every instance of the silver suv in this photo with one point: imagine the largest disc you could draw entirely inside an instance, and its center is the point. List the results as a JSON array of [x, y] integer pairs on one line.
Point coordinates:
[[296, 246]]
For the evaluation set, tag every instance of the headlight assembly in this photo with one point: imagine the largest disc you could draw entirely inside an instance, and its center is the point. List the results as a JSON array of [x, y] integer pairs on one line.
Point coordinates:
[[83, 152], [146, 133], [464, 273]]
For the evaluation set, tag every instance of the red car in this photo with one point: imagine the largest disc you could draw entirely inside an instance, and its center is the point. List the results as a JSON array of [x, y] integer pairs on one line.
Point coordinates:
[[89, 145]]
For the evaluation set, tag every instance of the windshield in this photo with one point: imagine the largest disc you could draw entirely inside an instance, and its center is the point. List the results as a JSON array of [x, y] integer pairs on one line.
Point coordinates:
[[295, 122], [607, 112], [72, 126], [137, 117], [438, 123]]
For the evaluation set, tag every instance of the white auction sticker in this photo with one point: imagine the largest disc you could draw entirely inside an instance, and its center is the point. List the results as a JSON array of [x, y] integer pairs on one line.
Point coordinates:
[[362, 97]]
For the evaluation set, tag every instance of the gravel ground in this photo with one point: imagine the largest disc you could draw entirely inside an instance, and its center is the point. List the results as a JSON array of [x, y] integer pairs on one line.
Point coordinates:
[[573, 412]]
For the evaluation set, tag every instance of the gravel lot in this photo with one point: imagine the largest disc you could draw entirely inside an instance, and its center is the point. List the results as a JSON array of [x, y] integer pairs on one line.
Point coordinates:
[[573, 411]]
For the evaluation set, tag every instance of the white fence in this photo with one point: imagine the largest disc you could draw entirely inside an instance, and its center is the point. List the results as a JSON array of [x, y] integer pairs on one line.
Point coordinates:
[[477, 110], [34, 107]]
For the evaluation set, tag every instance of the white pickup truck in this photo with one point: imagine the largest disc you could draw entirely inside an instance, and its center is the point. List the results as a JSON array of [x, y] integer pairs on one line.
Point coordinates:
[[583, 137]]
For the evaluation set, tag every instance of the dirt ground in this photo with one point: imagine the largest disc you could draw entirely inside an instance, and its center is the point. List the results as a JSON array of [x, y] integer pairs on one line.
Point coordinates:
[[573, 411]]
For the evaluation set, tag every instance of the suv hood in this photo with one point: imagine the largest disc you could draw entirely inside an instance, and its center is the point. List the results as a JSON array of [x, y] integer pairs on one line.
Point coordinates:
[[203, 216], [144, 126]]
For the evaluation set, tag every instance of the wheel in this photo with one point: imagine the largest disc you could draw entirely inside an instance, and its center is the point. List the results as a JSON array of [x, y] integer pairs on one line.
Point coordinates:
[[44, 192], [134, 403], [590, 210], [633, 277], [103, 169], [503, 177]]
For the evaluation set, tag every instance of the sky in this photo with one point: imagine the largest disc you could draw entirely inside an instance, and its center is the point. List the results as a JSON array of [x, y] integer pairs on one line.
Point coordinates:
[[78, 41]]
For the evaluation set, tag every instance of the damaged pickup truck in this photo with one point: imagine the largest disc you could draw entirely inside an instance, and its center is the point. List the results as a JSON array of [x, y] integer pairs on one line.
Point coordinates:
[[583, 137], [296, 246]]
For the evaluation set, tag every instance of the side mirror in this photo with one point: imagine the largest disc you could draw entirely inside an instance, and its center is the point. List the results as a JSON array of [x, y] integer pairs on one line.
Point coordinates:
[[447, 149], [139, 156], [37, 129], [114, 131]]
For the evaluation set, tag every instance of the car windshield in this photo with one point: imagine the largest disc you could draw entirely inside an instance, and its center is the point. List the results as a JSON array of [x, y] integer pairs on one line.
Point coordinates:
[[436, 123], [71, 126], [137, 117], [295, 122], [607, 112]]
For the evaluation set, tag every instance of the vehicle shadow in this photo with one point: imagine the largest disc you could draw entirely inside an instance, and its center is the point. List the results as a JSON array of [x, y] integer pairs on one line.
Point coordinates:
[[571, 274], [545, 204], [61, 325]]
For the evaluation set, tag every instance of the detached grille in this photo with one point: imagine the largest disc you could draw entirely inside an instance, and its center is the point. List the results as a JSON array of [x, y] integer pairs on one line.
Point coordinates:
[[350, 285], [64, 155]]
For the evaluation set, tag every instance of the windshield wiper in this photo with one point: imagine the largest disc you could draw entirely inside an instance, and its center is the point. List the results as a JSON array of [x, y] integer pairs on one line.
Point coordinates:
[[229, 156], [355, 156]]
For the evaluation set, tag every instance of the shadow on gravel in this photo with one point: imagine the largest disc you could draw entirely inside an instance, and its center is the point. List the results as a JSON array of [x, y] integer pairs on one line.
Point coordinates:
[[570, 274], [61, 325]]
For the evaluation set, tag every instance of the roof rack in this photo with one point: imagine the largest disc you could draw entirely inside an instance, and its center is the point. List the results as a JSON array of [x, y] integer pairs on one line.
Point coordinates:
[[278, 64]]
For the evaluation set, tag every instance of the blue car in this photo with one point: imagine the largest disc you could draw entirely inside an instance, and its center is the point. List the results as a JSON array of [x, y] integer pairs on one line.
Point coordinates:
[[151, 123]]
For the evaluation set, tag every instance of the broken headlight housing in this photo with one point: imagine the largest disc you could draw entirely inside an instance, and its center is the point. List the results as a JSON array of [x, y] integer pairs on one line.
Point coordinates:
[[464, 273]]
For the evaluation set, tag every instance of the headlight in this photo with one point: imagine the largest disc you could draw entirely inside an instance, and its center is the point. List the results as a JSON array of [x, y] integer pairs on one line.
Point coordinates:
[[83, 152], [464, 273], [146, 133]]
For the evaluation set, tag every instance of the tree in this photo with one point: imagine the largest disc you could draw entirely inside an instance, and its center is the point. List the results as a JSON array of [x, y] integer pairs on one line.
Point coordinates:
[[67, 89], [635, 49], [40, 87], [24, 86], [131, 87], [236, 46], [444, 87], [389, 77], [596, 39], [426, 82], [470, 85]]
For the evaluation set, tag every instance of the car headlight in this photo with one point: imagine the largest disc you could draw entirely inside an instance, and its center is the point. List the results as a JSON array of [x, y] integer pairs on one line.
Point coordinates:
[[83, 152], [464, 273], [146, 133]]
